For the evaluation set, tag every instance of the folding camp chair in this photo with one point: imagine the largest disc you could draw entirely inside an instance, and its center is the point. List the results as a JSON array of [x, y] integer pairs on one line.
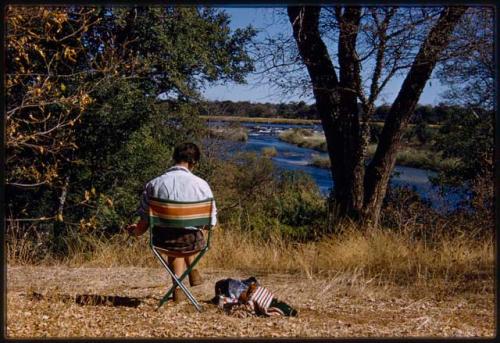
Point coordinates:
[[168, 214]]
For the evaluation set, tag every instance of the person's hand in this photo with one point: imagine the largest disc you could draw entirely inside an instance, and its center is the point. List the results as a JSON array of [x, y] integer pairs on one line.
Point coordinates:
[[131, 229]]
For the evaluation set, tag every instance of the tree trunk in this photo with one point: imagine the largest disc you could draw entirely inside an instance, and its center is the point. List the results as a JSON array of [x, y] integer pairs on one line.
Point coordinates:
[[59, 226], [336, 105], [350, 191]]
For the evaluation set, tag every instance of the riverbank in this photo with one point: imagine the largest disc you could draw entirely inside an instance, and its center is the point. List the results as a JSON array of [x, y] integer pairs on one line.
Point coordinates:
[[291, 121], [236, 134], [261, 120], [408, 156], [304, 138]]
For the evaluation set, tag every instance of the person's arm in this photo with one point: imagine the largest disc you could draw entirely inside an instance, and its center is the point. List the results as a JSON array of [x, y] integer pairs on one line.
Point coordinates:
[[209, 193], [142, 226], [138, 229]]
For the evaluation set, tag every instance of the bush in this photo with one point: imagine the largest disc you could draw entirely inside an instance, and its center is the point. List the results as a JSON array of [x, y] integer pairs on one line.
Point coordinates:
[[252, 195], [269, 152], [320, 161], [238, 134], [305, 138]]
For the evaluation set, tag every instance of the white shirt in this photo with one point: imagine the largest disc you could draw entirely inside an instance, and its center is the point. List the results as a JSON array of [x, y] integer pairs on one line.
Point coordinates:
[[178, 184]]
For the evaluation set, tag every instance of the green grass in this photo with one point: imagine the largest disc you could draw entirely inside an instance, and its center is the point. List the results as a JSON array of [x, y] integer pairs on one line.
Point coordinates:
[[425, 159], [409, 157]]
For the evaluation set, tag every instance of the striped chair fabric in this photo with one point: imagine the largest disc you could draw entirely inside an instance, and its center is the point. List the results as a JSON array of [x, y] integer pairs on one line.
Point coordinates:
[[178, 214]]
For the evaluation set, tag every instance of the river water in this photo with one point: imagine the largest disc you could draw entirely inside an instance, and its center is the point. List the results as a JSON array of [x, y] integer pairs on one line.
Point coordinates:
[[291, 157]]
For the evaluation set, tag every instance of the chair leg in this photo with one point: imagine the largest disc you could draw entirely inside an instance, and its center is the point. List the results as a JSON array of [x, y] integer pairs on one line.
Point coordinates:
[[178, 281]]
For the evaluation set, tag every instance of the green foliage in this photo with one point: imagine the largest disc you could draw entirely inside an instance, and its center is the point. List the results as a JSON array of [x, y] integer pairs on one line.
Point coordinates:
[[269, 152], [300, 110], [468, 136], [302, 206], [126, 139], [181, 47], [420, 133], [305, 138], [266, 110], [122, 59], [253, 195]]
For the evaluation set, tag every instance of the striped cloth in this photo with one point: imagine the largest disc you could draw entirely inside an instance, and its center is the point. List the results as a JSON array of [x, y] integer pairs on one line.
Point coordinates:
[[176, 214], [261, 298]]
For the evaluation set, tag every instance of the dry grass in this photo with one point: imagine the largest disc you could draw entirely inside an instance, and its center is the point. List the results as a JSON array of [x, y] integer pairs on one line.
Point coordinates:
[[269, 152], [379, 283], [41, 302], [238, 134], [383, 254], [26, 245], [305, 138]]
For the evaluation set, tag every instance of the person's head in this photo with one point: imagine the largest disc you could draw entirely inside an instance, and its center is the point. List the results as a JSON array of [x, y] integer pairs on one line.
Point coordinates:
[[187, 153]]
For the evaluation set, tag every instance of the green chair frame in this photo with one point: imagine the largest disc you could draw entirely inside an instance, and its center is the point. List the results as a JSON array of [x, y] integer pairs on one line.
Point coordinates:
[[168, 214]]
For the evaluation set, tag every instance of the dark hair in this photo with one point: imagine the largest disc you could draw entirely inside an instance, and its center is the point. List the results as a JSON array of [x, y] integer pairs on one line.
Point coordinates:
[[186, 152]]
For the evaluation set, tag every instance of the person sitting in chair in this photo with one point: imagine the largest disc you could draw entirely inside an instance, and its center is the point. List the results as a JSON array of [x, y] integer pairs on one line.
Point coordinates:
[[178, 183]]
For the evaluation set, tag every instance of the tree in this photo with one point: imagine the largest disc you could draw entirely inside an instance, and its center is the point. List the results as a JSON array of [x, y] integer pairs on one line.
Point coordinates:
[[388, 33], [470, 74], [84, 120], [470, 71], [47, 94], [468, 130]]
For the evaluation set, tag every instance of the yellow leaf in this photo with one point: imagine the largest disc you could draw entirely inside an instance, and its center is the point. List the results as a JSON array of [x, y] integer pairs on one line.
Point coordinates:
[[40, 51], [70, 54], [63, 87], [59, 217], [86, 99]]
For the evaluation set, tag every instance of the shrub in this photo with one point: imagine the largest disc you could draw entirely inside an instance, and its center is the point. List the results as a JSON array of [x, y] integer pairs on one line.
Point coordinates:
[[269, 152], [305, 138], [252, 195]]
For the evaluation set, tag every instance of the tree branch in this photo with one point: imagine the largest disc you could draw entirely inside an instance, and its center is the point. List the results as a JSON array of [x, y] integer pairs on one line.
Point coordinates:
[[380, 168]]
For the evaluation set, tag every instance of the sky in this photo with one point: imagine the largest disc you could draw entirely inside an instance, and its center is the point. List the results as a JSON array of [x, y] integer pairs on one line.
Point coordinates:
[[264, 18]]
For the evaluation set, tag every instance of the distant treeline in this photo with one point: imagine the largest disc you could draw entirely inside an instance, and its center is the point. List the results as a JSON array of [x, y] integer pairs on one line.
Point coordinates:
[[423, 113]]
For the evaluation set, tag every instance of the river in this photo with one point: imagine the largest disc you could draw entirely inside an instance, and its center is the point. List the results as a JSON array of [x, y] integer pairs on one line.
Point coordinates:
[[292, 157]]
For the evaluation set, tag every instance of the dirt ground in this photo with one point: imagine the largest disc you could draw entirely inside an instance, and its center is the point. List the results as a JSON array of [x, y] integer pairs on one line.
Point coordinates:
[[43, 302]]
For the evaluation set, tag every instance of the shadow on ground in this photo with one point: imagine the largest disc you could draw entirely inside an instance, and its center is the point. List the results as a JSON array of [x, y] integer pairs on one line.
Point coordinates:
[[89, 299]]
